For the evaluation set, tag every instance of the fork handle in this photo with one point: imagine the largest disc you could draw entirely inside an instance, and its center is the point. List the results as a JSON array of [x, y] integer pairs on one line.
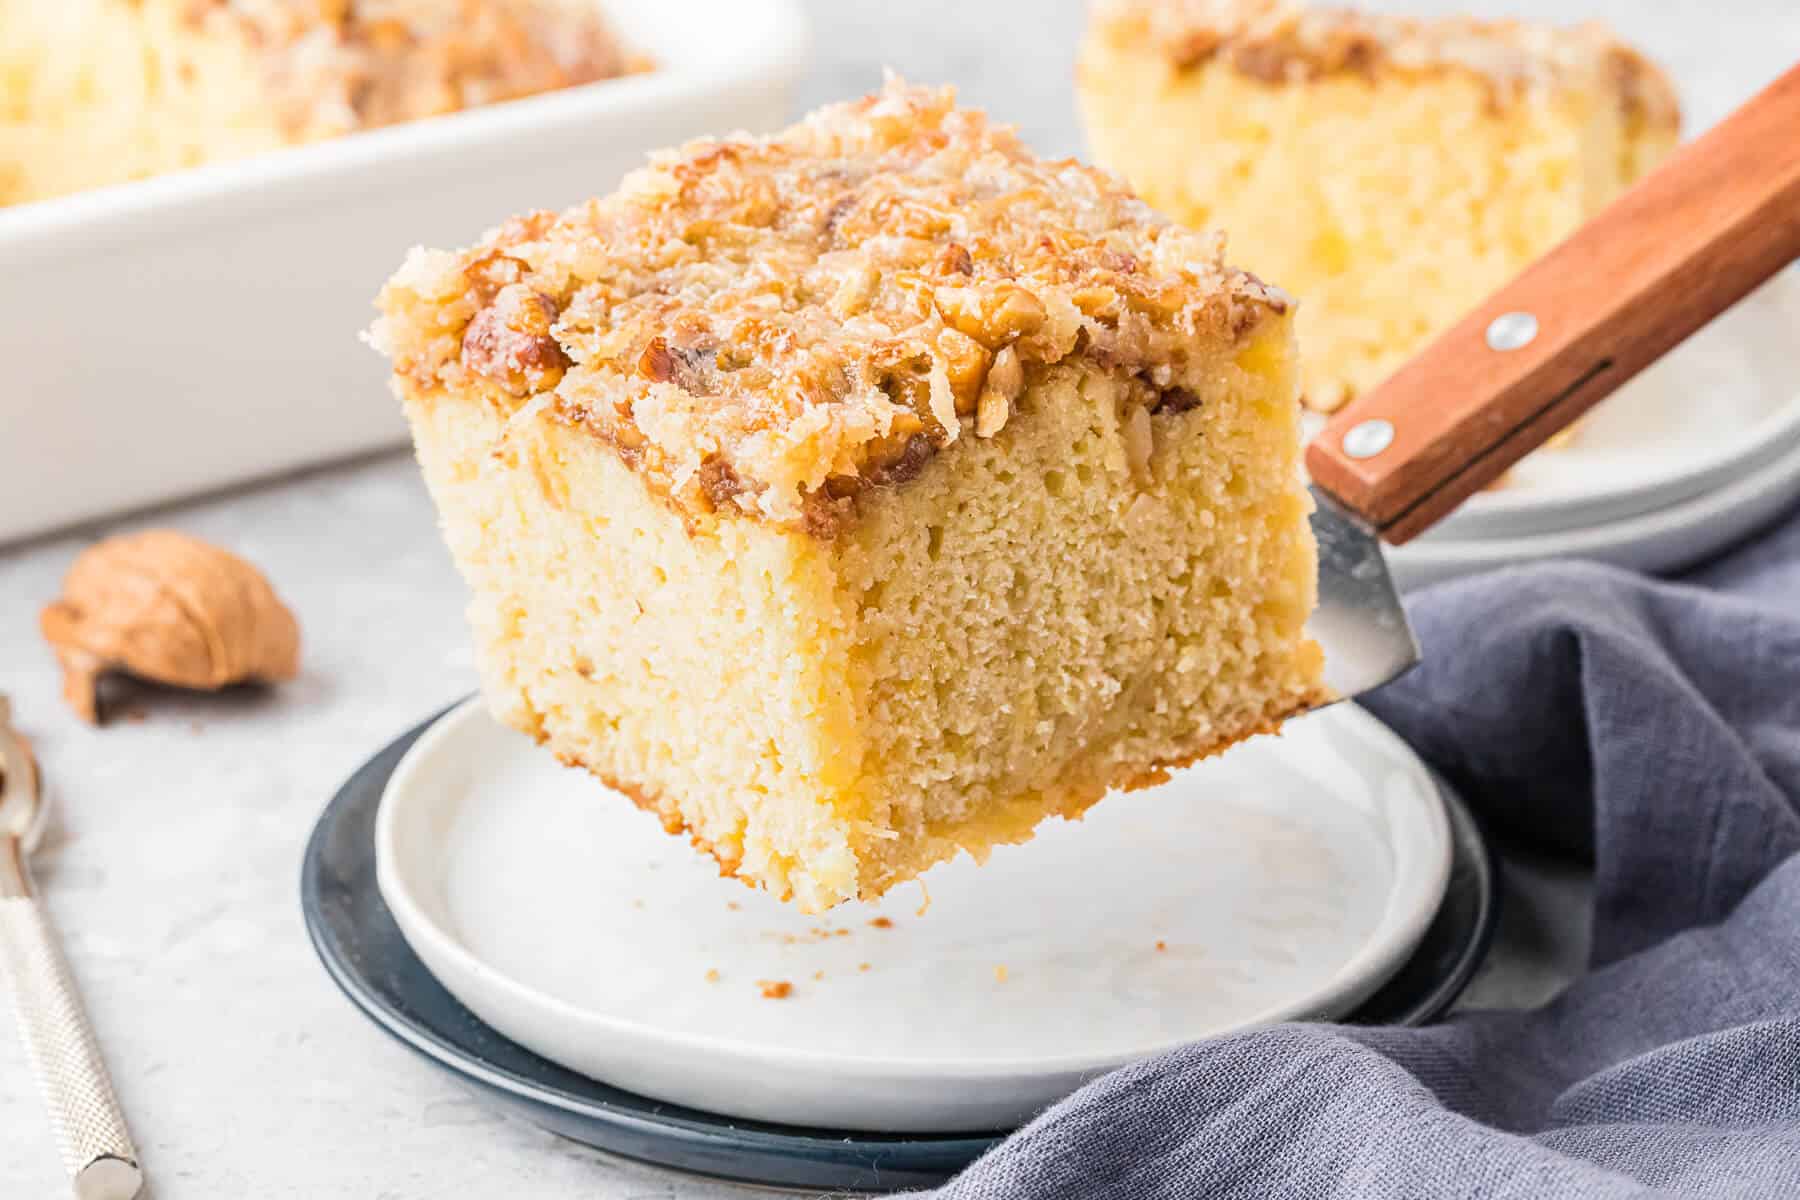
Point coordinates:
[[1691, 239], [59, 1043]]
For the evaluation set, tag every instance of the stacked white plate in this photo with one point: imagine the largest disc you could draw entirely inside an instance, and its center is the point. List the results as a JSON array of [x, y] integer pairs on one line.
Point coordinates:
[[1694, 454]]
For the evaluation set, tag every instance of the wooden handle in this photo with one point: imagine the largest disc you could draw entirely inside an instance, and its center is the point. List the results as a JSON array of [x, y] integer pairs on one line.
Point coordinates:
[[1690, 240]]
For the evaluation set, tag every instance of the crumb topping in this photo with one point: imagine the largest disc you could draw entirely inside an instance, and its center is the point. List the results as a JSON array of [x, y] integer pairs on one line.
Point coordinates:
[[1287, 40], [334, 66], [774, 325]]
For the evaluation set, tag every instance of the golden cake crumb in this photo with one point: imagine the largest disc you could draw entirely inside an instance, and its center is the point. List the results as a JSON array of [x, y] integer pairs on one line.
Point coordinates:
[[865, 494], [882, 923], [775, 989], [712, 975], [1000, 974]]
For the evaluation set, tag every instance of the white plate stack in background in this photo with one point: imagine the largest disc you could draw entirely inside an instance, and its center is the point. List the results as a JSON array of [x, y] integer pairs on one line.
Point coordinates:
[[1696, 453]]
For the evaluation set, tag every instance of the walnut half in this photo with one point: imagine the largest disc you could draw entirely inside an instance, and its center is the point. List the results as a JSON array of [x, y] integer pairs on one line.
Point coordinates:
[[169, 608]]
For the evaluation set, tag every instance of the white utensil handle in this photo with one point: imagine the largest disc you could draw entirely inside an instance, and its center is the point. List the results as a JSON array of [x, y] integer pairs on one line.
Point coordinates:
[[59, 1043]]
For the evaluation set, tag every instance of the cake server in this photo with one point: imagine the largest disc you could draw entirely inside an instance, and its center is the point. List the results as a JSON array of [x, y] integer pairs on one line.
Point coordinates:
[[59, 1043], [1691, 239]]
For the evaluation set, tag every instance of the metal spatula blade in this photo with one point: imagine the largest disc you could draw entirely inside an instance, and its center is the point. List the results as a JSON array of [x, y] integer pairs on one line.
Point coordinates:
[[1358, 622]]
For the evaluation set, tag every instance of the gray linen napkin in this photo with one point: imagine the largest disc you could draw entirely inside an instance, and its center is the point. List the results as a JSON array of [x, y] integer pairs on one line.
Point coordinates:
[[1652, 725]]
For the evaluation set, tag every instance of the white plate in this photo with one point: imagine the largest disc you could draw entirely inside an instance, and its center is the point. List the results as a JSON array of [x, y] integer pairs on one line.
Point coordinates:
[[1287, 878], [199, 329], [1667, 539]]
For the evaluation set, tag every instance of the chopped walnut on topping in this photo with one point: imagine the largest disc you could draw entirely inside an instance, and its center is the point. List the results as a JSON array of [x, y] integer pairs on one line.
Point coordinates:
[[998, 391], [771, 327], [509, 342]]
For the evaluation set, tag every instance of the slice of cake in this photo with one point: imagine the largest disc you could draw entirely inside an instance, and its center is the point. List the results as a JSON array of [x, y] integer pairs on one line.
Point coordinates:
[[865, 492], [1390, 172], [103, 91]]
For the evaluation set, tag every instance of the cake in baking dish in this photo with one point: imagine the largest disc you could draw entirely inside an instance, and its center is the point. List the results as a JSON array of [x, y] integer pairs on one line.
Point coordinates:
[[866, 492], [104, 91], [1390, 172]]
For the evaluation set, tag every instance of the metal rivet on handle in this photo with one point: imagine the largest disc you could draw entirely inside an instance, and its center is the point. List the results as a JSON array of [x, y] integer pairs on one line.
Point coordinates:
[[1369, 438], [1512, 331]]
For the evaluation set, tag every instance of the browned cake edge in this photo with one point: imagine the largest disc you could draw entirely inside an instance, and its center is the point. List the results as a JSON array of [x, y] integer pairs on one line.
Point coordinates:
[[1287, 41]]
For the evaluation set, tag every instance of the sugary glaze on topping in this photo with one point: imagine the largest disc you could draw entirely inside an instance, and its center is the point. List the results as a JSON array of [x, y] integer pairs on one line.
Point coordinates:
[[1287, 40], [334, 66], [771, 326]]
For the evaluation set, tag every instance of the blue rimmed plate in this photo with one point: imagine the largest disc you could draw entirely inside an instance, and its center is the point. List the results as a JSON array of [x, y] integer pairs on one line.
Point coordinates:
[[364, 950]]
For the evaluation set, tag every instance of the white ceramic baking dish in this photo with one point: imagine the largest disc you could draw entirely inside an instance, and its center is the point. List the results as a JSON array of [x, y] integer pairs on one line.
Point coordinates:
[[163, 338]]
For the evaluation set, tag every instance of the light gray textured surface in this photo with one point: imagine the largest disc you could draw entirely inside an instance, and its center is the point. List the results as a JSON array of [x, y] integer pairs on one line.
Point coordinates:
[[172, 872]]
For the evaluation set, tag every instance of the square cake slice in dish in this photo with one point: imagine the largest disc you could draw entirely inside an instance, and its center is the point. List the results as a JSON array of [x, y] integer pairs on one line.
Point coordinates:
[[1390, 172], [95, 92], [867, 492]]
